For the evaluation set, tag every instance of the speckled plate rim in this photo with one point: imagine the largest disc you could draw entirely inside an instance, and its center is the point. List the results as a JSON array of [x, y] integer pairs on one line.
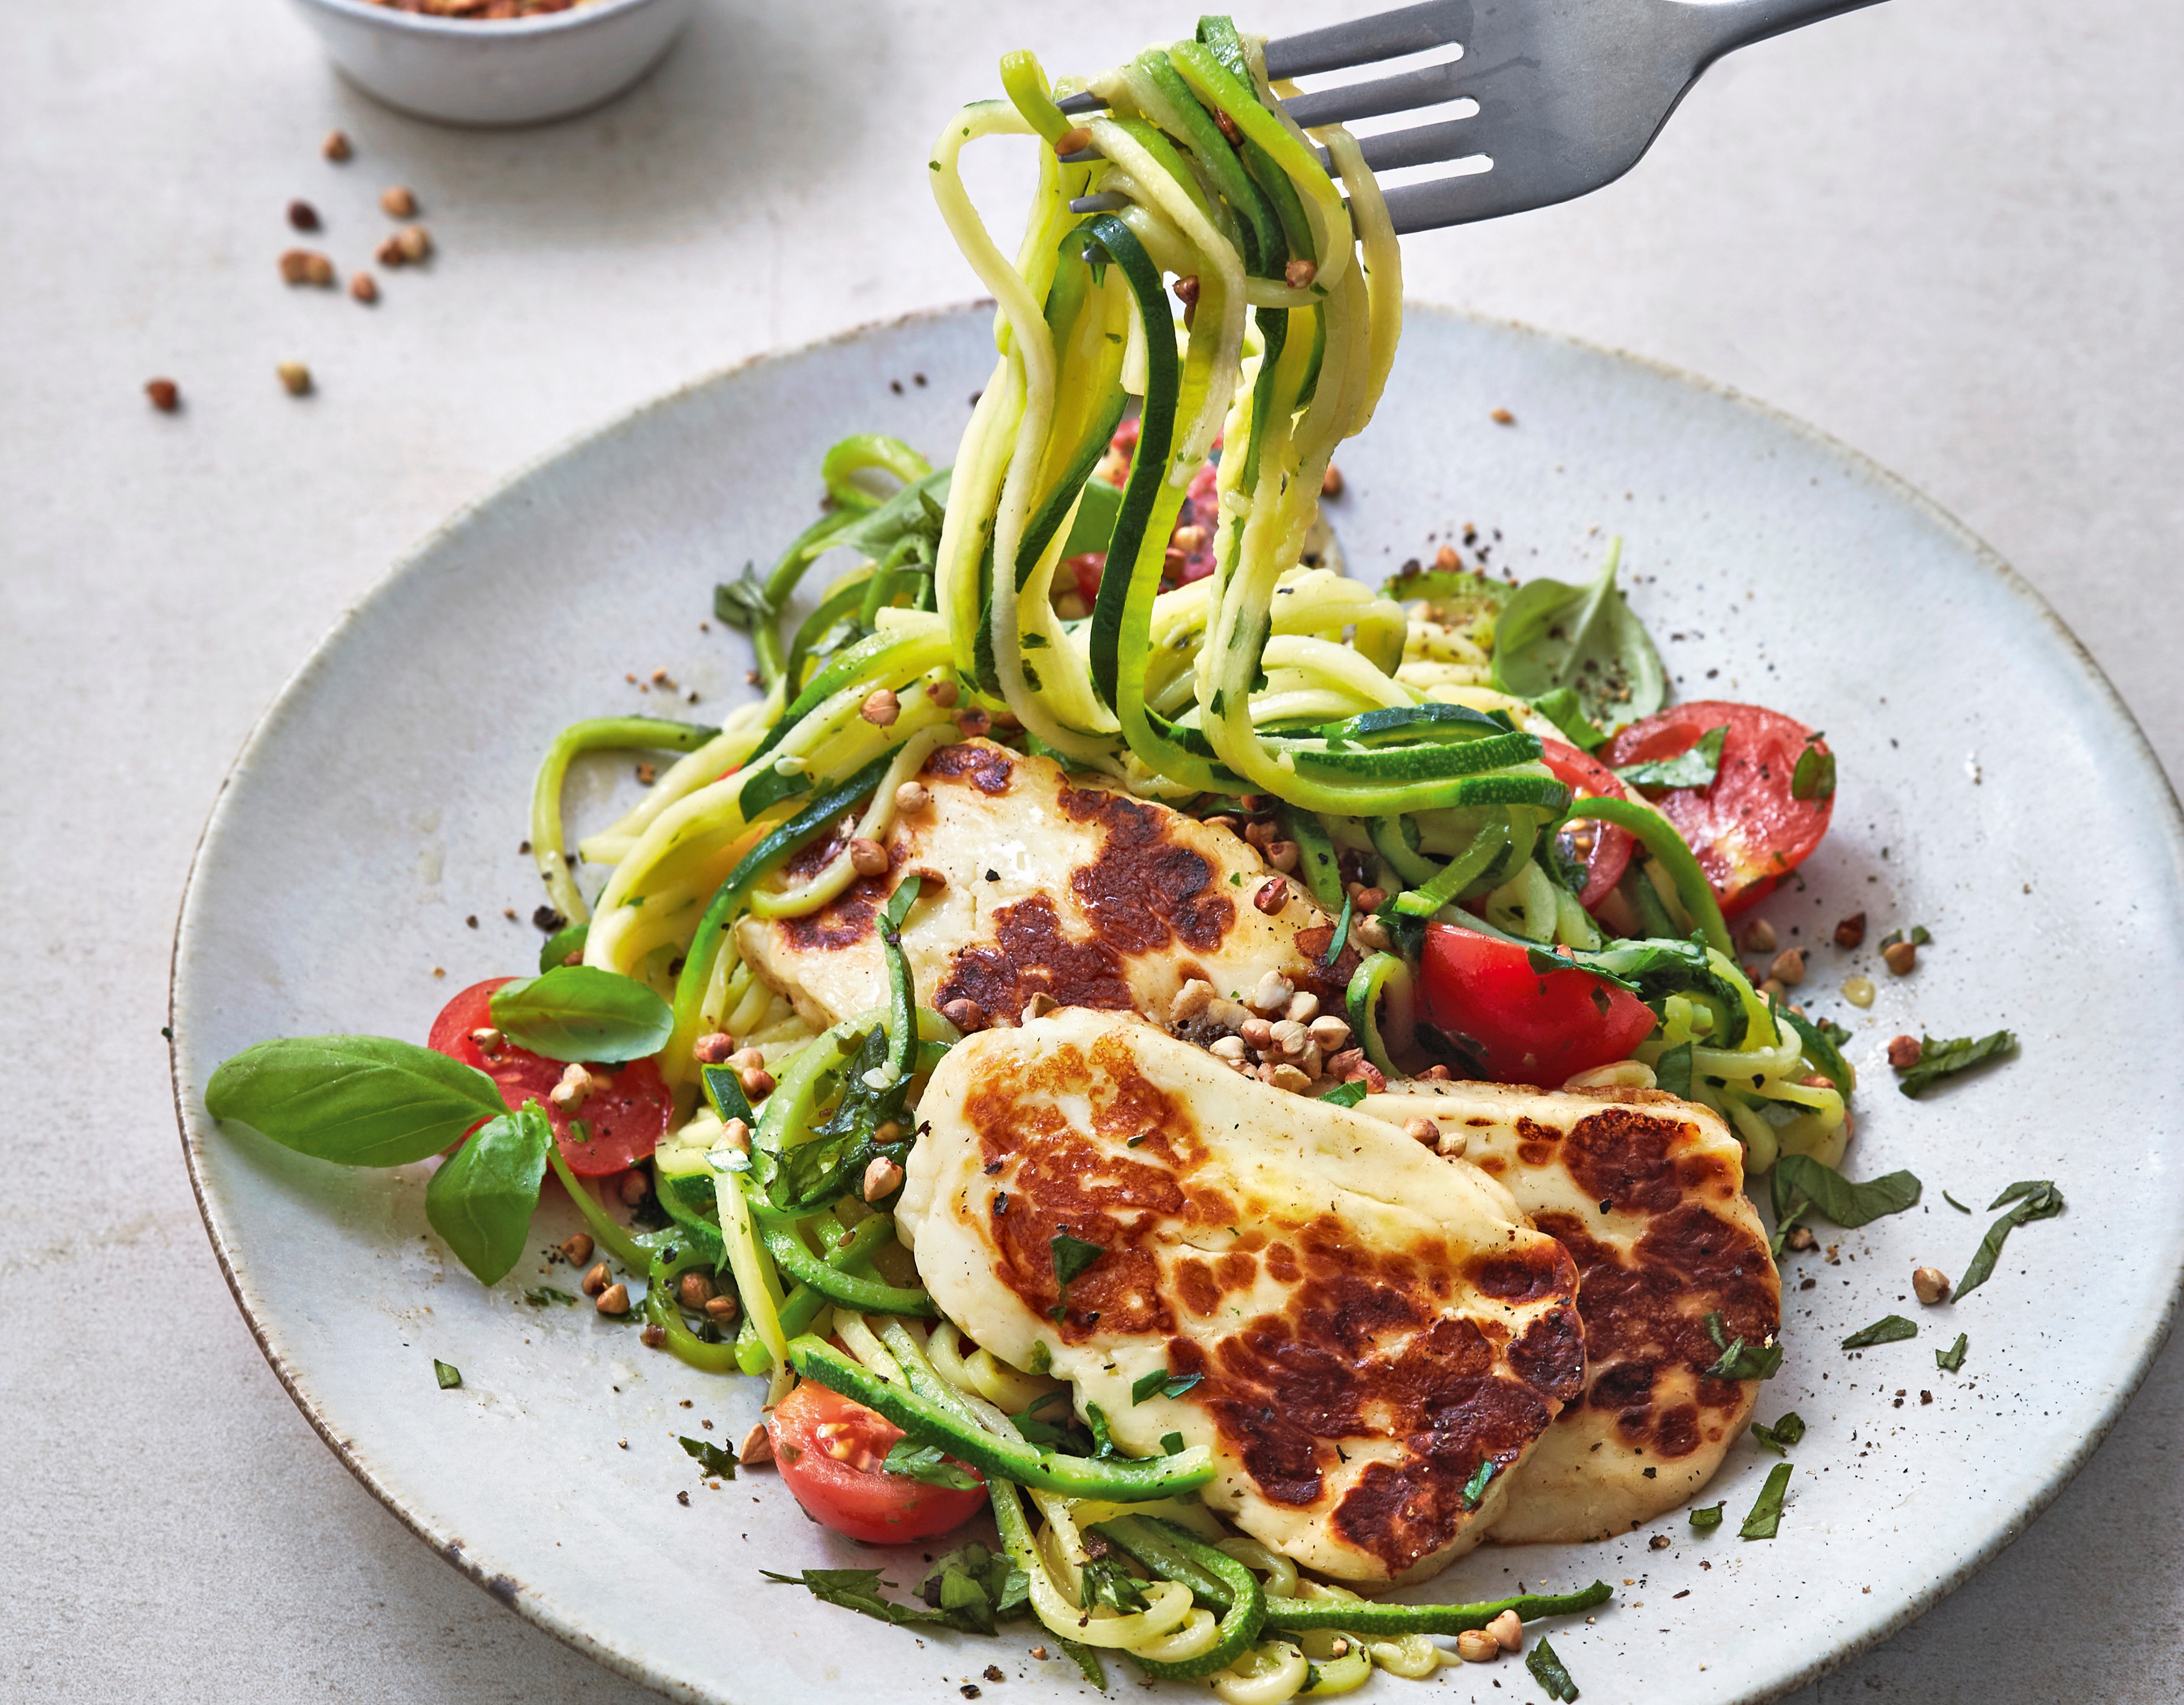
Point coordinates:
[[569, 1625]]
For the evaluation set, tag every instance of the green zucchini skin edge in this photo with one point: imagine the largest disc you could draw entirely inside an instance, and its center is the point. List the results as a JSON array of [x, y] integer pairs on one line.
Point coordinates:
[[1127, 1480], [1173, 1554], [1363, 1616]]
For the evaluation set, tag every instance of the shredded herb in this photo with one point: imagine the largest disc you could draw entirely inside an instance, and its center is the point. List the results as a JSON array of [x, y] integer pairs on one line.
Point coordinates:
[[711, 1458], [1766, 1515], [1801, 1178], [1939, 1059], [926, 1463], [1954, 1203], [1694, 768], [448, 1375], [2034, 1199], [1919, 936], [548, 1297], [1814, 777], [1783, 1435], [1104, 1581], [1890, 1328], [1166, 1384], [1171, 1444], [1344, 1094], [1046, 1434], [1739, 1360], [1071, 1255], [859, 1590], [1949, 1360], [1708, 1518], [1547, 1670], [1103, 1440], [978, 1586], [1341, 938], [1474, 1489]]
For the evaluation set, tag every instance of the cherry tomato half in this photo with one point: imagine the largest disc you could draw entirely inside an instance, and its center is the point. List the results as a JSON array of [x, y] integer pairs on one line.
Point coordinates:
[[624, 1118], [1746, 830], [1606, 847], [829, 1450], [1524, 1026]]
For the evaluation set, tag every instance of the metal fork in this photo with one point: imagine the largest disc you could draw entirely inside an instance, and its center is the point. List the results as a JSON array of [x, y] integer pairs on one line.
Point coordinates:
[[1570, 93]]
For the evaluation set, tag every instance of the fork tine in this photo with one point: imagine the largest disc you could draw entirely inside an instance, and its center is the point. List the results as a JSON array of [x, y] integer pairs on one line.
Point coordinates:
[[1384, 35], [1452, 139], [1428, 87]]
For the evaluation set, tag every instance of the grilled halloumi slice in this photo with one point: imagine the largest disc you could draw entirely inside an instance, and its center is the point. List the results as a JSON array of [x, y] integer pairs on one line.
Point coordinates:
[[1646, 1193], [1370, 1325], [1054, 885]]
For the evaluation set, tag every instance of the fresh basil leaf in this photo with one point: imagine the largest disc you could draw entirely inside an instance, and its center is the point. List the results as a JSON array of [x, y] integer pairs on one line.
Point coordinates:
[[1583, 637], [581, 1013], [1474, 1489], [359, 1100], [1814, 777], [1087, 1660], [1103, 1439], [1469, 603], [1890, 1328], [1560, 708], [2034, 1199], [1739, 1360], [981, 1586], [1064, 1437], [1949, 1360], [1766, 1517], [1161, 1381], [1835, 1197], [481, 1200], [1344, 1094], [928, 1464], [447, 1373], [768, 788], [1783, 1435], [1171, 1444], [1672, 1072], [557, 947], [1071, 1255], [711, 1458], [1939, 1059], [742, 602], [549, 1296], [1695, 768], [1708, 1518], [1548, 1671]]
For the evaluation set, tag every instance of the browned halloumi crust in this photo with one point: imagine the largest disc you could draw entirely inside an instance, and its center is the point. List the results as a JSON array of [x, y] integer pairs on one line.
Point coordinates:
[[1049, 883], [1369, 1327], [1645, 1192]]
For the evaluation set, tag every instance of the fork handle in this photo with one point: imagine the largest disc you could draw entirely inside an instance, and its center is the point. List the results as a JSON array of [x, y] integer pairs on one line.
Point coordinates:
[[1733, 24]]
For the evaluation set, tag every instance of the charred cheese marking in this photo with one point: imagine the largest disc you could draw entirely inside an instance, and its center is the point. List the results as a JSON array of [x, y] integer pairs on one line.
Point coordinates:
[[1370, 1325], [1645, 1192], [1054, 885]]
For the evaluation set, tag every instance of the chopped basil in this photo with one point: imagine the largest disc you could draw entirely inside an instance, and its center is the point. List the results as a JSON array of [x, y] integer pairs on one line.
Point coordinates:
[[1104, 1581], [742, 602], [1939, 1060], [1344, 1094], [1890, 1328], [1800, 1181], [1739, 1360], [1814, 777], [2034, 1199], [1954, 1203], [1046, 1434], [1561, 707], [1783, 1435], [447, 1373], [548, 1297], [1672, 1072], [1919, 936], [711, 1458], [582, 1012], [1547, 1670], [859, 1590], [1949, 1360], [926, 1463], [1166, 1384], [1695, 768], [1766, 1515], [978, 1586], [1103, 1440], [1171, 1444], [1341, 938], [1071, 1255], [1707, 1517], [1474, 1489]]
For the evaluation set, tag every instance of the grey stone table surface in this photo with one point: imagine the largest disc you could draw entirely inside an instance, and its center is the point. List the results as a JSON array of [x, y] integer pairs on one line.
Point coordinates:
[[1949, 231]]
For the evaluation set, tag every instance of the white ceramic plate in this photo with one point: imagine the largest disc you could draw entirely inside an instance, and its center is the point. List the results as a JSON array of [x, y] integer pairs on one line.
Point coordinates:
[[1992, 788]]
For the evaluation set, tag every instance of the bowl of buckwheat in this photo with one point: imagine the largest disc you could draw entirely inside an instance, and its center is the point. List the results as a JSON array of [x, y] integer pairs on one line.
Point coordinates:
[[495, 62]]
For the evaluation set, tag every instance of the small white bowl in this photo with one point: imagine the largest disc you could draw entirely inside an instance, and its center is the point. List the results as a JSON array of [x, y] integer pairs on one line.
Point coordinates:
[[514, 71]]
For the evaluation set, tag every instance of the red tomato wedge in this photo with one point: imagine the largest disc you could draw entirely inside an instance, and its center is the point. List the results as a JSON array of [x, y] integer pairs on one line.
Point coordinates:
[[1746, 830], [625, 1119], [829, 1450], [1605, 847], [1524, 1026]]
